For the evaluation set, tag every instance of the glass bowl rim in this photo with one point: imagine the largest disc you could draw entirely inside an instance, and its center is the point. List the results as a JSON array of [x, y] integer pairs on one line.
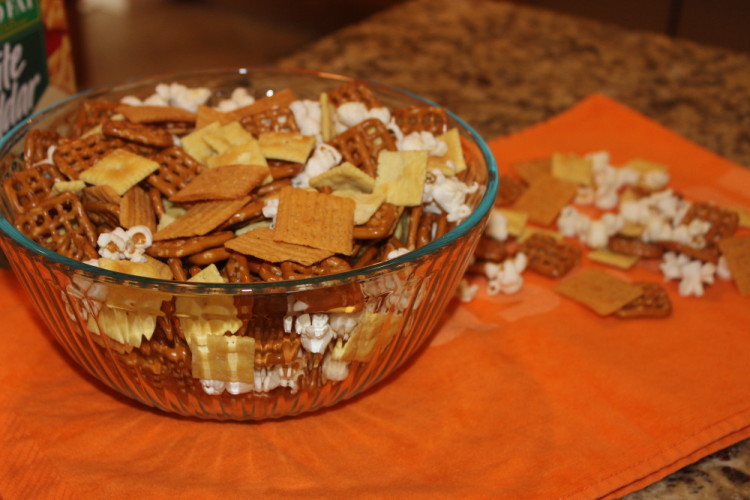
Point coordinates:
[[81, 268]]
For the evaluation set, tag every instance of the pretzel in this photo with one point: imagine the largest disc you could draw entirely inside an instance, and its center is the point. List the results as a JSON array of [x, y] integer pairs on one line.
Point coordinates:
[[707, 254], [183, 247], [37, 144], [549, 257], [284, 169], [654, 303], [361, 144], [178, 270], [91, 114], [277, 119], [53, 221], [381, 224], [421, 119], [508, 190], [210, 256], [27, 188], [176, 170], [249, 213], [430, 227], [272, 187], [77, 247], [353, 92], [237, 269], [722, 222], [73, 156], [490, 249], [137, 132], [156, 202], [634, 246], [103, 214]]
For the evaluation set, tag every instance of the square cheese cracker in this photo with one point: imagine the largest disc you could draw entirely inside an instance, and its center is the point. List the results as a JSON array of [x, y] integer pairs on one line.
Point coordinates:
[[403, 173], [286, 146], [119, 170]]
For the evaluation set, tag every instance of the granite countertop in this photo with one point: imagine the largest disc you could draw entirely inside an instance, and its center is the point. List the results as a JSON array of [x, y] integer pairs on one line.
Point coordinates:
[[504, 67]]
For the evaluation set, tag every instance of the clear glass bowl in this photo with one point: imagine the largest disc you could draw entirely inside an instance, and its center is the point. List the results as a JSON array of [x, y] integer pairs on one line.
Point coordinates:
[[395, 304]]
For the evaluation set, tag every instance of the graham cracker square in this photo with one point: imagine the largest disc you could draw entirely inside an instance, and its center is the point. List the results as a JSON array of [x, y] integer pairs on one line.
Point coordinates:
[[545, 198], [315, 219], [599, 291]]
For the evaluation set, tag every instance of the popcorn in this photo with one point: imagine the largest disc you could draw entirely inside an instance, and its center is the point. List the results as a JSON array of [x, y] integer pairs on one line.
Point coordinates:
[[173, 94], [335, 369], [314, 332], [422, 141], [307, 115], [449, 194], [238, 99], [505, 277], [497, 226], [693, 274], [353, 113], [120, 244], [323, 158]]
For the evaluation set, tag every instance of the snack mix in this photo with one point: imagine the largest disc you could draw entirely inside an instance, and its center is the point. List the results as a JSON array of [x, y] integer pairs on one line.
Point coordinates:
[[553, 211], [240, 191]]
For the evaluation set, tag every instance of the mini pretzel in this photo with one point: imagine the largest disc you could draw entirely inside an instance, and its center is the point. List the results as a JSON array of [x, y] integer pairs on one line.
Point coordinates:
[[284, 169], [490, 249], [361, 144], [246, 214], [73, 156], [508, 190], [421, 119], [381, 224], [278, 119], [654, 303], [708, 254], [91, 114], [272, 187], [353, 92], [37, 144], [430, 227], [168, 322], [77, 247], [178, 270], [156, 202], [634, 246], [210, 256], [102, 213], [723, 222], [137, 132], [176, 170], [549, 257], [237, 269], [183, 247], [26, 188], [53, 221]]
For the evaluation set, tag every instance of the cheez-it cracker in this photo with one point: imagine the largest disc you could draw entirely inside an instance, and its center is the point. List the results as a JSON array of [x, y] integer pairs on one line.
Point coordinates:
[[201, 219], [545, 198], [315, 219], [599, 291], [260, 243], [226, 182]]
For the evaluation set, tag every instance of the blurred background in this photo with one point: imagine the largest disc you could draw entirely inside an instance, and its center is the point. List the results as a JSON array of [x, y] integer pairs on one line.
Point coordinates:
[[115, 39]]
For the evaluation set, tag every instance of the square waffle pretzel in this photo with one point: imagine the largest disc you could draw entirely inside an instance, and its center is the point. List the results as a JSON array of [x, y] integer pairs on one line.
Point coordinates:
[[91, 114], [53, 222], [353, 92], [27, 188], [36, 145], [653, 303], [276, 119], [73, 156], [421, 119], [549, 257], [176, 170], [723, 222], [361, 144]]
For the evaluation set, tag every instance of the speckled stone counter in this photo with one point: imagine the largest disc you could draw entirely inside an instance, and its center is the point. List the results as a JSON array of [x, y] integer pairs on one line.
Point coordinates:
[[503, 68]]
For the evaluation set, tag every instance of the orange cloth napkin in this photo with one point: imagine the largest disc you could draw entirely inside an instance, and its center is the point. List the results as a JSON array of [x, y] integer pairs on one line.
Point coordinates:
[[522, 396]]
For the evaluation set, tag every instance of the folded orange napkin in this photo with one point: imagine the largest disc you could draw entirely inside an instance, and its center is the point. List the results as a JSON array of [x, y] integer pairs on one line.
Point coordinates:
[[521, 396]]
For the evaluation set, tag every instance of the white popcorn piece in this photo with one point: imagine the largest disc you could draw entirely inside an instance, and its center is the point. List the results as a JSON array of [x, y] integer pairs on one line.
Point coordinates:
[[572, 223], [266, 379], [497, 226], [449, 194], [213, 387], [314, 332], [120, 244], [505, 277], [693, 274], [342, 324], [307, 115], [422, 141], [335, 369], [323, 158], [238, 99], [466, 291], [398, 252], [656, 179], [353, 113], [270, 210]]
